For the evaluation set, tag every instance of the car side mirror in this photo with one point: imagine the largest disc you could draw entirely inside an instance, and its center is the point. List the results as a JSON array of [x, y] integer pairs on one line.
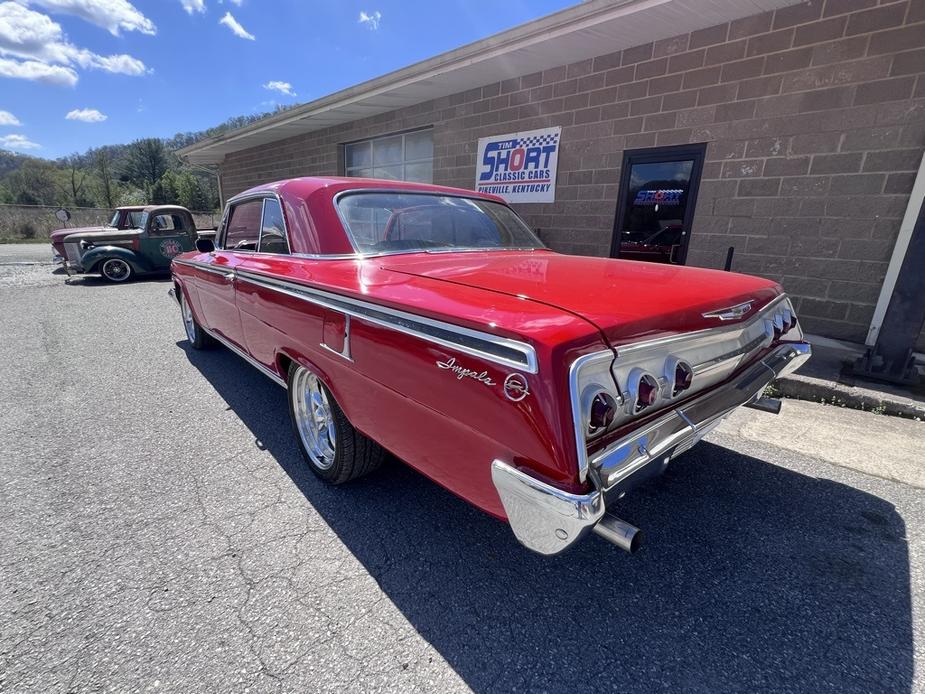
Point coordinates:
[[205, 245]]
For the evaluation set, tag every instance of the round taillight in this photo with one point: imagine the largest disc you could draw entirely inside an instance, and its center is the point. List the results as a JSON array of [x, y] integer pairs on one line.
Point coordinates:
[[683, 376], [647, 392], [602, 412]]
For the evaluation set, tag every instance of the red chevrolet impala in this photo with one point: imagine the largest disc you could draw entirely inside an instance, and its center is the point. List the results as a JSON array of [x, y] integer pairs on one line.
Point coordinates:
[[431, 322]]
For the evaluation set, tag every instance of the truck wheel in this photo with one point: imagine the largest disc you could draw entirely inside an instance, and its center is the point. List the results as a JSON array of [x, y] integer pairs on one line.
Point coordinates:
[[116, 270], [333, 449], [198, 338]]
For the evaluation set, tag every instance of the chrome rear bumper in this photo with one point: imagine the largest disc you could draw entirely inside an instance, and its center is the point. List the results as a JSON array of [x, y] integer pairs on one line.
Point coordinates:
[[548, 520]]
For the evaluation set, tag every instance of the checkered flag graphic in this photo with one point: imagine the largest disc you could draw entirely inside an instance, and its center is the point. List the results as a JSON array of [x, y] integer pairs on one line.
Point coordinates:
[[538, 140]]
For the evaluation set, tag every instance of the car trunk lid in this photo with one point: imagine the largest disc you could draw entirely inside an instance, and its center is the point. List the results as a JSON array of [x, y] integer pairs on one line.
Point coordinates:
[[625, 300]]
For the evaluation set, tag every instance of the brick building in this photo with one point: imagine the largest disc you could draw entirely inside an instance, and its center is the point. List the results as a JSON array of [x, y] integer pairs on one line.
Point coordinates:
[[804, 126]]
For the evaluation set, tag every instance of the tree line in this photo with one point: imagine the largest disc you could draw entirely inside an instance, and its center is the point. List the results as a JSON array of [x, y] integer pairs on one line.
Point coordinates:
[[145, 171]]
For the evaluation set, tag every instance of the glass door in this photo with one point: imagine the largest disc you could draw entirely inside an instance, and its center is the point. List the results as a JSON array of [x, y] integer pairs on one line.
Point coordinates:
[[658, 191]]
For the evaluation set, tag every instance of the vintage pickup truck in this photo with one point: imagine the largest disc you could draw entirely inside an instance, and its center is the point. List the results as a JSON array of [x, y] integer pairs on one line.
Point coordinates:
[[128, 217], [139, 241], [431, 322]]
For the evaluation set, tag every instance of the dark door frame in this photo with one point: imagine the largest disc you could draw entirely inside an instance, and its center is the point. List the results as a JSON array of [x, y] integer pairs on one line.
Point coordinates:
[[656, 155]]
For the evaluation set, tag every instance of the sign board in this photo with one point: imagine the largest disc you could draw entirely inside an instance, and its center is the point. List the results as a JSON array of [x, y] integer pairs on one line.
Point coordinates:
[[659, 197], [520, 167]]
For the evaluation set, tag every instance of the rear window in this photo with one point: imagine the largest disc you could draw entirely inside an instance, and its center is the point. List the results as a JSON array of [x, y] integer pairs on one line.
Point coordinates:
[[411, 222]]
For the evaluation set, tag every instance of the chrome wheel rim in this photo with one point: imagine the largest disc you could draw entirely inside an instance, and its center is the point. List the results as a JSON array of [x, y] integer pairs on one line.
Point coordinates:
[[188, 320], [116, 270], [314, 419]]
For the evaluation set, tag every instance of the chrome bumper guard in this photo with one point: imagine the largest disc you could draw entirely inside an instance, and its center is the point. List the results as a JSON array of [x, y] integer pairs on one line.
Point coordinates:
[[548, 520]]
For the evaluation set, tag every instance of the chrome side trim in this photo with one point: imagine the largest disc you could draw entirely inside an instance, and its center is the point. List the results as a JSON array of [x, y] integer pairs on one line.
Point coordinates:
[[510, 353], [544, 518], [246, 357], [206, 267]]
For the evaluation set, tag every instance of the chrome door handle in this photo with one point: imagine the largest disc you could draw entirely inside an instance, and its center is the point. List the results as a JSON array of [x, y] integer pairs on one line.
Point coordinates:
[[229, 276]]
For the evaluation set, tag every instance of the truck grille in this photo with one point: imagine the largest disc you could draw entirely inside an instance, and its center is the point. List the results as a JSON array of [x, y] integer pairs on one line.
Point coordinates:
[[72, 251]]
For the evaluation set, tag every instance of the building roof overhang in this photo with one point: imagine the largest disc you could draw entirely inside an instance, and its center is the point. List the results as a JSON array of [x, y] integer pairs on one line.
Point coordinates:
[[593, 28]]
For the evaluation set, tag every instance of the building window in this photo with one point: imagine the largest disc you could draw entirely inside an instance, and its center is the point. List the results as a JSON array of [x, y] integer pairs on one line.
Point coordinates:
[[406, 157]]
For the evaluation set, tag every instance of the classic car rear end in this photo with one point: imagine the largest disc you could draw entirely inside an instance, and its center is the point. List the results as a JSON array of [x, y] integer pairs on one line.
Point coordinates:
[[432, 323], [681, 348]]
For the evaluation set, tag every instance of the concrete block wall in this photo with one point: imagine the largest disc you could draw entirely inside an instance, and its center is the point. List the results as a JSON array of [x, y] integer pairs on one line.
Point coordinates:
[[814, 116]]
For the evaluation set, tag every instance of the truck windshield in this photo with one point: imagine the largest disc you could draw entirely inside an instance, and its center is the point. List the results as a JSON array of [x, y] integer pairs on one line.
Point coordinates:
[[411, 222], [114, 222]]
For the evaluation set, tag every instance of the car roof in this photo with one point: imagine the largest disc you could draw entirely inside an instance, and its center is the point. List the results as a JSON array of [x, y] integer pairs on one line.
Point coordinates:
[[164, 208], [309, 185]]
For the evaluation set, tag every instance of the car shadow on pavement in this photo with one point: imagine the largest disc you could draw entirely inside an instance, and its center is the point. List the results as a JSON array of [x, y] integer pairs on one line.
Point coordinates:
[[753, 577]]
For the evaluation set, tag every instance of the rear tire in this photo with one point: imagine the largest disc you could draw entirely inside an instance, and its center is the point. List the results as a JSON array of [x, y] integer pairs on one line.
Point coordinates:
[[334, 450], [116, 270], [198, 338]]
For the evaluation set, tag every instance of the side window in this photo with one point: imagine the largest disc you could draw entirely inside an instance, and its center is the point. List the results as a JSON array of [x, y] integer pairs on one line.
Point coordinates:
[[166, 225], [273, 230], [242, 232]]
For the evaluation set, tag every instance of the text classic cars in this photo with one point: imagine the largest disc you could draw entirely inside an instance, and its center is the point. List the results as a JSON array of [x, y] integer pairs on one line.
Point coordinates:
[[431, 322]]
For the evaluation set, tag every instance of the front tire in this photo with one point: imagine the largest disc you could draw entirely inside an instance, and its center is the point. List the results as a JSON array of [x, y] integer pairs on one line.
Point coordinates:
[[334, 450], [116, 270], [198, 338]]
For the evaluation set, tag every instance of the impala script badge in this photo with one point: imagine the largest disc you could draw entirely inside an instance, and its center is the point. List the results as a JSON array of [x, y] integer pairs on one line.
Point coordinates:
[[462, 372]]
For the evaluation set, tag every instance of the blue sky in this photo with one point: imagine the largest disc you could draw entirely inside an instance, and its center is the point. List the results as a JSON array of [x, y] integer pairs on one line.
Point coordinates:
[[158, 67]]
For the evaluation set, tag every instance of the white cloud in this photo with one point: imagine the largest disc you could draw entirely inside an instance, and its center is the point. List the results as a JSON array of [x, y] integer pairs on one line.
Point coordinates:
[[112, 15], [229, 21], [371, 19], [7, 118], [278, 86], [38, 72], [192, 6], [86, 115], [16, 141], [119, 64], [45, 51]]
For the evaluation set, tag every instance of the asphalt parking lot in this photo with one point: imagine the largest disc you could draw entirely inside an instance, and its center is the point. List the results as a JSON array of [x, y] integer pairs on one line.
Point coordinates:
[[161, 533]]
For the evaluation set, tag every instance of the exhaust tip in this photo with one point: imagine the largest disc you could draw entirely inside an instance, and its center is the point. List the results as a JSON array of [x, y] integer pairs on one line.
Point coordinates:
[[620, 533], [765, 404]]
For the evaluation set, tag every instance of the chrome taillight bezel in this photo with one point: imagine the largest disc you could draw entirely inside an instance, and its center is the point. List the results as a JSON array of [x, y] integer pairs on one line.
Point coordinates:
[[713, 355], [590, 399], [672, 364]]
